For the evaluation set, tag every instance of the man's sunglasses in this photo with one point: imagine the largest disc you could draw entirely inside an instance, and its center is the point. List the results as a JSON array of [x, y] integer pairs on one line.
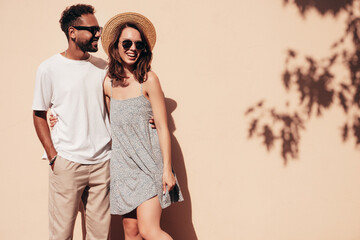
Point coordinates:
[[140, 45], [92, 29]]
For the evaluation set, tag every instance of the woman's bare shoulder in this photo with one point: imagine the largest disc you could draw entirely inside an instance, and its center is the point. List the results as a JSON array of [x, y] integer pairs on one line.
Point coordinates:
[[107, 80], [107, 85], [151, 78]]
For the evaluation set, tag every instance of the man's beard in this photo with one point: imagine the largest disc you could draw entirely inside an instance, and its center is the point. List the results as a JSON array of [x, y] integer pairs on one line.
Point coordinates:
[[87, 46]]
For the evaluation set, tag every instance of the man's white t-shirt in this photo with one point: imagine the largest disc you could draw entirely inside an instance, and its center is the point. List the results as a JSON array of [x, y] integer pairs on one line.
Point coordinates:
[[73, 90]]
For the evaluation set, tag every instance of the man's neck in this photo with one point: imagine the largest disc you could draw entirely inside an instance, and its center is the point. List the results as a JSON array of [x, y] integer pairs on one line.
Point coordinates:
[[76, 54]]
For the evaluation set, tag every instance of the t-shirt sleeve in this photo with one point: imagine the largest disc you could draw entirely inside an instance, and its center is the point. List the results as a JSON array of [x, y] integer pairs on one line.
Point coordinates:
[[43, 90]]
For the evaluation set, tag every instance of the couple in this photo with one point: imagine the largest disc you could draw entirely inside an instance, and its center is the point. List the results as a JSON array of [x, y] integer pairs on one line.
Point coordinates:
[[81, 90]]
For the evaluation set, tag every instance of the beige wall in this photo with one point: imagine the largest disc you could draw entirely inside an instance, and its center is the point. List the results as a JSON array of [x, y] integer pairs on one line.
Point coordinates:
[[214, 59]]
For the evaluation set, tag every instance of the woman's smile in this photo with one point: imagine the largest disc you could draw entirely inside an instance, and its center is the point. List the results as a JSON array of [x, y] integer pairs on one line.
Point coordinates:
[[132, 55]]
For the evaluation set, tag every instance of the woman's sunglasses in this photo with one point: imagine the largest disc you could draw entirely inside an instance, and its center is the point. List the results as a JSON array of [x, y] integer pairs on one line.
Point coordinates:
[[140, 45]]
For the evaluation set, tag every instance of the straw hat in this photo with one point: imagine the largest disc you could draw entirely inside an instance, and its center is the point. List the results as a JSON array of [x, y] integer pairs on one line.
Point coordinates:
[[110, 28]]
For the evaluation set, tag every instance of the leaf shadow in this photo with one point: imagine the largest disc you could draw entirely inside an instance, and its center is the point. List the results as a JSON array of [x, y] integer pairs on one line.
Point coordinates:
[[316, 84]]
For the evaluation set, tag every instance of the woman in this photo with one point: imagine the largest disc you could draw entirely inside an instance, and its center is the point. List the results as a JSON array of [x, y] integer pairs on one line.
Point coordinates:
[[142, 181]]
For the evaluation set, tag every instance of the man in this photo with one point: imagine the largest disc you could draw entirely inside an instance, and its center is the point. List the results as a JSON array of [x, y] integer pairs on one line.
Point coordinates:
[[70, 83]]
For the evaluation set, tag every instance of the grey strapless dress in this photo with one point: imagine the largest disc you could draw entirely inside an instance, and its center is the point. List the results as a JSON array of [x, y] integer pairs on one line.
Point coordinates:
[[136, 163]]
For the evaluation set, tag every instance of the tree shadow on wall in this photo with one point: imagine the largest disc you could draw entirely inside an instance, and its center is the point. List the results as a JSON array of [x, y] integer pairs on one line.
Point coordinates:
[[176, 219], [314, 82]]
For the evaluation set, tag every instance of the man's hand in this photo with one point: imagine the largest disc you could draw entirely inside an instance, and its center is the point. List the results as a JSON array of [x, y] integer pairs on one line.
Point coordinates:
[[152, 122], [43, 132], [52, 162], [53, 120]]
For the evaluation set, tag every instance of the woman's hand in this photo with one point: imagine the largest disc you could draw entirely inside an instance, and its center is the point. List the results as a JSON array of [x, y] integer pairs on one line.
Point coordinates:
[[53, 120], [168, 180]]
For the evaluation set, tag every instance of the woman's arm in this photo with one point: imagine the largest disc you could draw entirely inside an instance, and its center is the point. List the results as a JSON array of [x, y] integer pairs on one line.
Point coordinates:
[[153, 90], [107, 93]]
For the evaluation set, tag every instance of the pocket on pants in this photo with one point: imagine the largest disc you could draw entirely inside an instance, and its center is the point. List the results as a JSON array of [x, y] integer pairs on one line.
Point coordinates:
[[56, 164], [64, 175], [61, 165]]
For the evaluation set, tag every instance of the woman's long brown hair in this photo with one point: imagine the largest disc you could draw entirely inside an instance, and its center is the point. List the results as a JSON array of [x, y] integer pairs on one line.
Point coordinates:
[[142, 65]]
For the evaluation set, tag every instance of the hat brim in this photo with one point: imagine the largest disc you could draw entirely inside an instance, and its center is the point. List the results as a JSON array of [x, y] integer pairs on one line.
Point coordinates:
[[111, 26]]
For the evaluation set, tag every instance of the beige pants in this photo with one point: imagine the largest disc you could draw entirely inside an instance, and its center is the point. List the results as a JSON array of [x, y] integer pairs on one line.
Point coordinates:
[[66, 186]]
